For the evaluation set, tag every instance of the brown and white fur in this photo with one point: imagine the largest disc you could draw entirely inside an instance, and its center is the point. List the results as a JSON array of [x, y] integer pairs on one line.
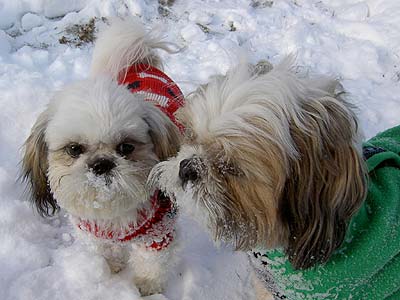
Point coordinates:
[[269, 159], [93, 120]]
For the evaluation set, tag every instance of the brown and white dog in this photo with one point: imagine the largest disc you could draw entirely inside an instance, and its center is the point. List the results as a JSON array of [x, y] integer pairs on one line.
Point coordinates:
[[269, 160], [91, 150]]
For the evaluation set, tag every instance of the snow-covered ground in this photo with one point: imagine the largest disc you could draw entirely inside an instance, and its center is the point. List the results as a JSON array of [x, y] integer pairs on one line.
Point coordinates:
[[356, 41]]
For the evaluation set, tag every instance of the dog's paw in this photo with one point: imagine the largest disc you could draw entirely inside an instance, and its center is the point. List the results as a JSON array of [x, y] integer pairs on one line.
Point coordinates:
[[116, 265], [147, 286], [115, 269]]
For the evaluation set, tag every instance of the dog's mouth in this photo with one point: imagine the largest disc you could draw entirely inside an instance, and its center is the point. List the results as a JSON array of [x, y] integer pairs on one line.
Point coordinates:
[[165, 195], [99, 181], [160, 179], [164, 198], [101, 189]]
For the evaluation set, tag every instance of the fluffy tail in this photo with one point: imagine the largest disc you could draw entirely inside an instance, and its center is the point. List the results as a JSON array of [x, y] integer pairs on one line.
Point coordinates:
[[124, 43]]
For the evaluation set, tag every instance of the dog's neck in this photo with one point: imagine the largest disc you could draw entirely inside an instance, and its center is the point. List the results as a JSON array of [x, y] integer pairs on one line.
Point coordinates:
[[154, 226]]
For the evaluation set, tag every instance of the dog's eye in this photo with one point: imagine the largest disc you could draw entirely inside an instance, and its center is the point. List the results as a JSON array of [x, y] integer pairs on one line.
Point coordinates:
[[74, 150], [124, 149]]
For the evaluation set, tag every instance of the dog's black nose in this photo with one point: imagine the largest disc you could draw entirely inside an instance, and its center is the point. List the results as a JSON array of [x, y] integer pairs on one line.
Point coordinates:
[[102, 166], [187, 171]]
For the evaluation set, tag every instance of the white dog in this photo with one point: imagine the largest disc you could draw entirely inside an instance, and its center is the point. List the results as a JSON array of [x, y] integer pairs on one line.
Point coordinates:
[[270, 160], [91, 150]]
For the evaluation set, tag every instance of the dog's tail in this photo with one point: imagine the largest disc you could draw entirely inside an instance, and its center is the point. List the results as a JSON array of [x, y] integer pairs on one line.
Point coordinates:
[[125, 43]]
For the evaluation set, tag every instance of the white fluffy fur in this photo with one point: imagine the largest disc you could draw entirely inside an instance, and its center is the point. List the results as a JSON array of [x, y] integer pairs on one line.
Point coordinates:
[[99, 114]]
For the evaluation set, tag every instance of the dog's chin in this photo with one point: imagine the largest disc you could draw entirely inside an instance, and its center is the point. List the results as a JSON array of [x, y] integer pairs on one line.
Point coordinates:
[[215, 219], [204, 205], [101, 197]]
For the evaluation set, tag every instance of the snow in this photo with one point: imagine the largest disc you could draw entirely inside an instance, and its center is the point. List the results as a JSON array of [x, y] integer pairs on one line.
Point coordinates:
[[355, 41], [12, 11], [192, 32], [59, 8], [5, 46], [200, 17], [30, 21], [354, 12]]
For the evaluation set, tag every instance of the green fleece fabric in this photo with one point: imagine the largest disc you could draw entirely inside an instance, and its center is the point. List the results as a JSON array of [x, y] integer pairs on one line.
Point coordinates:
[[367, 266]]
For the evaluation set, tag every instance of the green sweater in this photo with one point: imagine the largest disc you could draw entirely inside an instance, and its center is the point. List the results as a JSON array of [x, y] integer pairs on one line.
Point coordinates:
[[367, 266]]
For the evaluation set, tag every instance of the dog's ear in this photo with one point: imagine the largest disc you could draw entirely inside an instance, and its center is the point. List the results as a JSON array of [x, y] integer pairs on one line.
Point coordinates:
[[34, 168], [327, 182], [164, 133]]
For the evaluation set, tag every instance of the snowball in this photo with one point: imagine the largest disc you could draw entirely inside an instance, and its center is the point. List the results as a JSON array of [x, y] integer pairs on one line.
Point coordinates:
[[30, 21], [30, 57], [200, 17], [192, 32], [12, 10], [59, 8], [85, 266], [355, 12], [136, 7]]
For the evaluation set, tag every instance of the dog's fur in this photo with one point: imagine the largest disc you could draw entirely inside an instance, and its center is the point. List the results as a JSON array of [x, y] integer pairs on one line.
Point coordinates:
[[277, 162], [99, 114]]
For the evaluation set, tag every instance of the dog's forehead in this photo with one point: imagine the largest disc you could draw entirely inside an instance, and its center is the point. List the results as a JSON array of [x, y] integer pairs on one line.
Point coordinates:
[[189, 150], [193, 150], [96, 111]]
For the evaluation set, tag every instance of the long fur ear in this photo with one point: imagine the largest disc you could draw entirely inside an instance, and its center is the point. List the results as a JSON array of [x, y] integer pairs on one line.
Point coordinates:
[[164, 133], [327, 184], [34, 168], [125, 43]]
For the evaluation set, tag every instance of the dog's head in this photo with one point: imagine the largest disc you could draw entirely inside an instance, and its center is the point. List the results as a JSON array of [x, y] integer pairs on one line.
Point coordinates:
[[272, 161], [91, 150]]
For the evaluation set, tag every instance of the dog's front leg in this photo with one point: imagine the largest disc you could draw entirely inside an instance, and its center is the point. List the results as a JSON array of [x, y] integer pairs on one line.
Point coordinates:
[[116, 254], [151, 267]]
